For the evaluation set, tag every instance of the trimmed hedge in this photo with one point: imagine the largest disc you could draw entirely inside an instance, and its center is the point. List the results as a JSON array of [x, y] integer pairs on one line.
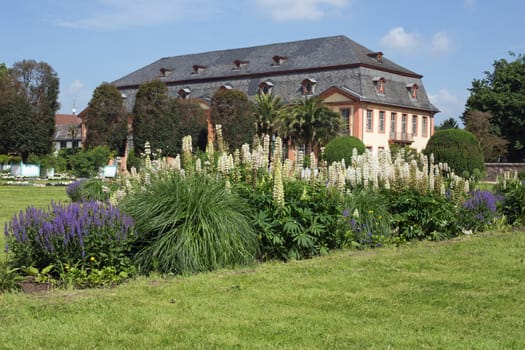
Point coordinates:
[[341, 148], [460, 149]]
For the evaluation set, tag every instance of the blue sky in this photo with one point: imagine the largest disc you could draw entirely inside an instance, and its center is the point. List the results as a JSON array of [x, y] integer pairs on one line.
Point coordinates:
[[449, 42]]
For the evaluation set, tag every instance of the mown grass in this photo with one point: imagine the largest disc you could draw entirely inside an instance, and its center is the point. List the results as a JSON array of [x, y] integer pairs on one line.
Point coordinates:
[[460, 294]]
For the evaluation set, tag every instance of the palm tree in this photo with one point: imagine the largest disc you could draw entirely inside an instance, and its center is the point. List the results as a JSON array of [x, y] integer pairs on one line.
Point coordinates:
[[267, 107], [308, 122]]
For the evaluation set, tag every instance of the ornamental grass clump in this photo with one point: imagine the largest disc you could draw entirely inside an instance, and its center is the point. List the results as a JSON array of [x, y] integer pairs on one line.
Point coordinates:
[[75, 234], [190, 224]]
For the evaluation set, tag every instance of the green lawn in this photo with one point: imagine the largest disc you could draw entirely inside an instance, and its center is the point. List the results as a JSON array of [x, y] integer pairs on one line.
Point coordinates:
[[461, 294]]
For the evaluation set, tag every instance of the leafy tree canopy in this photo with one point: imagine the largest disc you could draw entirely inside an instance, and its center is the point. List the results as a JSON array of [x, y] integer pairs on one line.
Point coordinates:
[[502, 93], [233, 110], [163, 121], [106, 119], [494, 147], [29, 98], [449, 123], [309, 122]]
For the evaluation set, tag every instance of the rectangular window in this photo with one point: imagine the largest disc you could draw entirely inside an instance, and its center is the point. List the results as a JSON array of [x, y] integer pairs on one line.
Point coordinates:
[[414, 125], [63, 144], [345, 115], [424, 127], [369, 120], [381, 121], [404, 118], [393, 119]]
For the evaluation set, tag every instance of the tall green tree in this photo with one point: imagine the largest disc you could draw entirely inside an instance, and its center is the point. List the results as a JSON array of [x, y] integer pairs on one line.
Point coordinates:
[[502, 93], [152, 119], [449, 123], [28, 99], [190, 120], [494, 148], [17, 134], [233, 110], [266, 110], [163, 121], [309, 122], [106, 119]]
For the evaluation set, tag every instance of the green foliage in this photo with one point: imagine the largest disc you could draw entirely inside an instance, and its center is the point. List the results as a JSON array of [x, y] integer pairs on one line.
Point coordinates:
[[367, 218], [266, 111], [93, 276], [233, 110], [513, 206], [132, 161], [449, 123], [342, 148], [459, 148], [421, 216], [494, 147], [90, 236], [86, 162], [310, 223], [309, 122], [190, 224], [107, 123], [10, 277], [502, 93], [28, 103], [87, 190]]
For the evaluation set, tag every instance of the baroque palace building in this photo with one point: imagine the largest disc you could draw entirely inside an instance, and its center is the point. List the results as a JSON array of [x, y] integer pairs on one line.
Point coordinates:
[[381, 102]]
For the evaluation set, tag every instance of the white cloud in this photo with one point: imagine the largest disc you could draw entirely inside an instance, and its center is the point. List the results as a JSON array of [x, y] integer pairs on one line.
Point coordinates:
[[119, 14], [440, 43], [470, 3], [398, 38], [450, 105], [75, 87], [283, 10]]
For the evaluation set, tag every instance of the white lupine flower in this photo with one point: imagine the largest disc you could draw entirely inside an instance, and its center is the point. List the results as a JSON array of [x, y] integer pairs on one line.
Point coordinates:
[[246, 156], [176, 163], [237, 157], [467, 187], [287, 168], [198, 166], [278, 190], [313, 161]]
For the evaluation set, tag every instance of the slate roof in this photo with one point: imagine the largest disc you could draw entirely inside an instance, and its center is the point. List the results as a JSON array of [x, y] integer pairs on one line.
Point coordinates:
[[63, 123], [331, 61]]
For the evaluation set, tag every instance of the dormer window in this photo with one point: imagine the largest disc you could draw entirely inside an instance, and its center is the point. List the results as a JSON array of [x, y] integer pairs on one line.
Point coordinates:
[[308, 86], [198, 69], [226, 86], [380, 85], [278, 60], [238, 64], [412, 89], [265, 88], [184, 93], [164, 72], [378, 56]]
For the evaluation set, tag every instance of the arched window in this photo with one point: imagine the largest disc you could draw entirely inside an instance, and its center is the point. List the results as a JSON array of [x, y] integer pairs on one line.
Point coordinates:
[[184, 93], [380, 83], [265, 87], [308, 86]]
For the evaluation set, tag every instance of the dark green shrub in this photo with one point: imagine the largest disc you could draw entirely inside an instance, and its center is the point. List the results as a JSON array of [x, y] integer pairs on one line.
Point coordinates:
[[422, 216], [310, 223], [341, 148], [190, 224], [86, 163], [460, 149]]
